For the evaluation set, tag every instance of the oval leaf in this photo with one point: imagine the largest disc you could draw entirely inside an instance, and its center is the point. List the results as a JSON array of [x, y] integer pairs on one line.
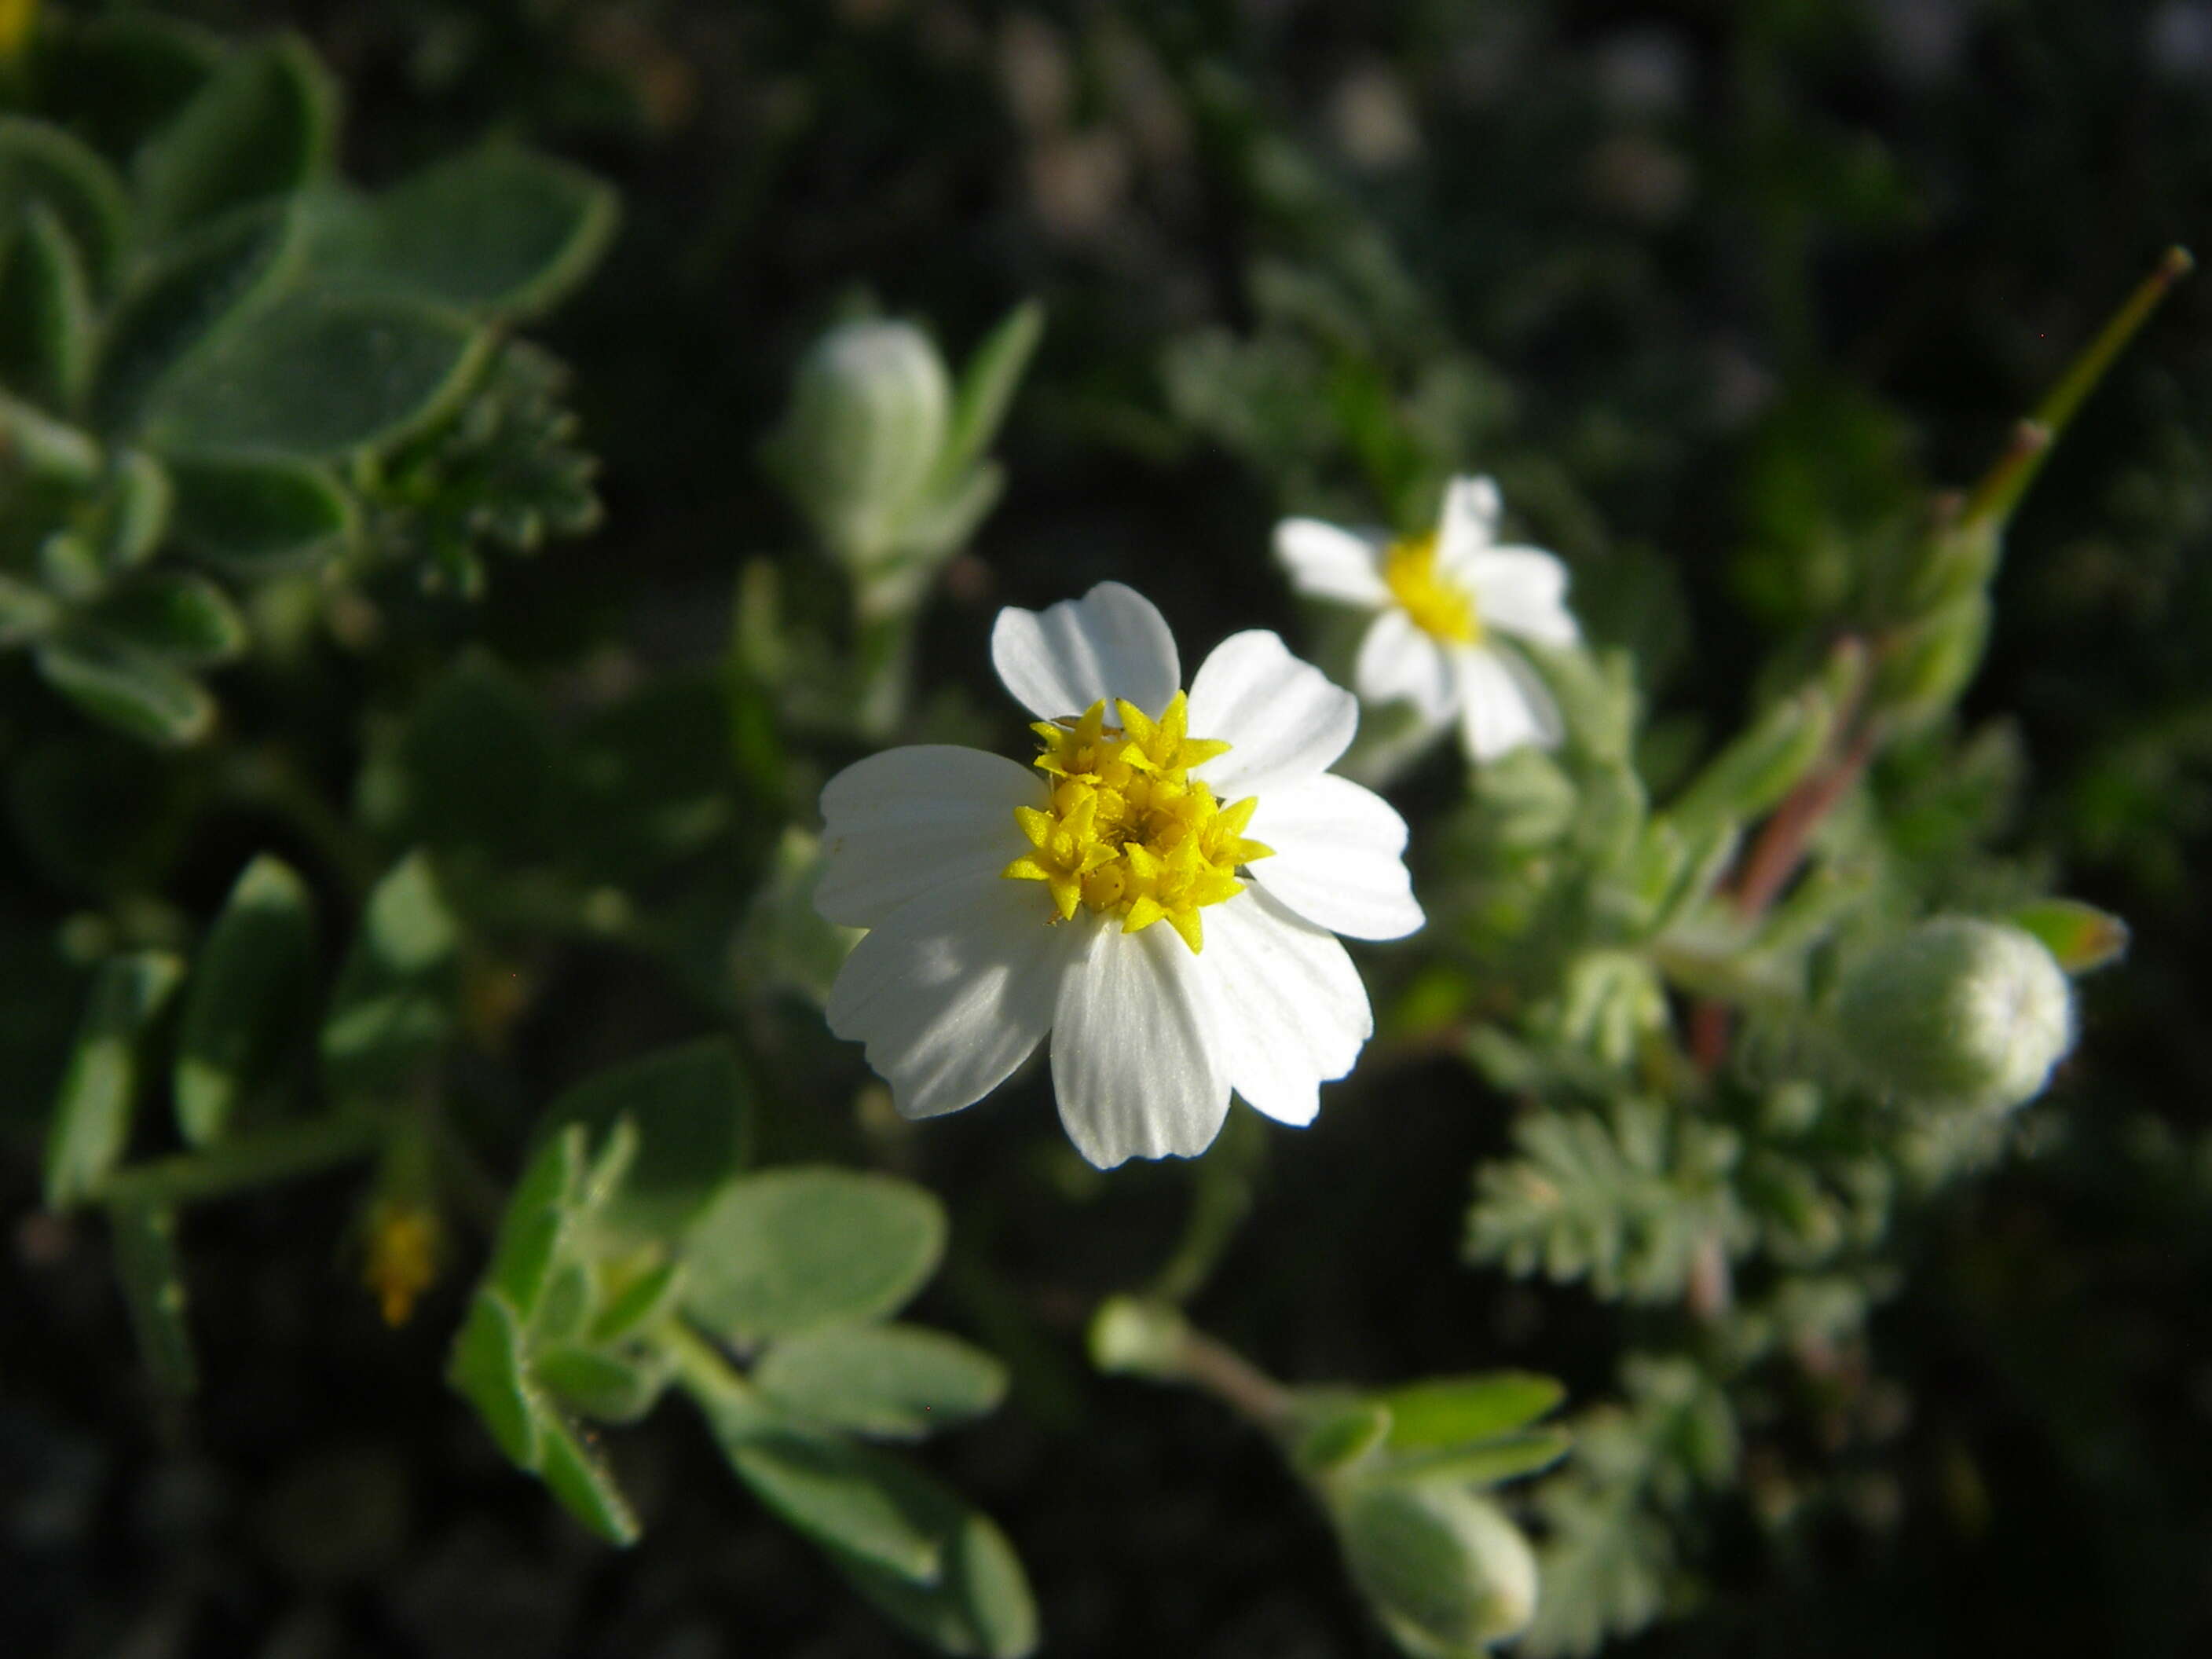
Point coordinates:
[[259, 516], [186, 619], [249, 993], [318, 375], [129, 689], [502, 233], [91, 1123], [40, 163], [262, 126], [899, 1382], [792, 1250]]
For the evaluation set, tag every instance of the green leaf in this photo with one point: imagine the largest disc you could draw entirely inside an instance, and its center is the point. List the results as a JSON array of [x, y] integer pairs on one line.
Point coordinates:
[[260, 515], [394, 1004], [691, 1110], [1753, 772], [186, 619], [249, 993], [26, 612], [1339, 1431], [612, 1386], [182, 301], [46, 318], [34, 444], [580, 1479], [146, 1262], [41, 164], [1453, 1411], [138, 501], [637, 1303], [2081, 937], [132, 690], [538, 1215], [979, 1604], [91, 1123], [898, 1382], [318, 376], [487, 1369], [118, 79], [1488, 1463], [263, 125], [500, 233], [839, 1494], [987, 383], [792, 1249]]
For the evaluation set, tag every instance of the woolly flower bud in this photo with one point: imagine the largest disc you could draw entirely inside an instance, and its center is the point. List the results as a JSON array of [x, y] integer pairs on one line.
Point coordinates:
[[1973, 1012], [864, 435], [1446, 1573]]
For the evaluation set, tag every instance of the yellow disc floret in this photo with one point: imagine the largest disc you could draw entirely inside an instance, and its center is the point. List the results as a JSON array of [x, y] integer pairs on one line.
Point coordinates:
[[1439, 607], [1126, 830]]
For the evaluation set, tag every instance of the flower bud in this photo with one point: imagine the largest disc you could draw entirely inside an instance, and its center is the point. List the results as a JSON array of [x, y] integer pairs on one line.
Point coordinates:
[[1445, 1570], [1960, 1010], [1139, 1338], [864, 435]]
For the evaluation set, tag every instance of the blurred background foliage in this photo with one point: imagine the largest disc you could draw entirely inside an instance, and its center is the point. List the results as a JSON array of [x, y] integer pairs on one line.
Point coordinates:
[[1717, 294]]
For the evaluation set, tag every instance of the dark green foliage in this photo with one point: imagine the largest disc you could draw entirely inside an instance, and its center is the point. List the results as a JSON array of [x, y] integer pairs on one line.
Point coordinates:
[[1726, 298], [232, 343]]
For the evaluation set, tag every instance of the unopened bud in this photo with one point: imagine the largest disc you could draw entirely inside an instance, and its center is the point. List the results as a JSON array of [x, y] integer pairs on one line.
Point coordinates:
[[864, 436], [1139, 1338], [1445, 1570], [1960, 1010]]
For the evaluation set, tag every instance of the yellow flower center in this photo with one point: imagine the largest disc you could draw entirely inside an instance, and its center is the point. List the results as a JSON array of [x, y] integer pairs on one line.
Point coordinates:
[[1127, 831], [1439, 608]]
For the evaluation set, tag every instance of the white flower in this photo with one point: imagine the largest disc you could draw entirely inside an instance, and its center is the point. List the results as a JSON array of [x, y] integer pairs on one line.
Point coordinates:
[[1440, 597], [1004, 902]]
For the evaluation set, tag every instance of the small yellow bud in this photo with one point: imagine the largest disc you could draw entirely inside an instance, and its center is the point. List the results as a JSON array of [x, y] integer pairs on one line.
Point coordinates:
[[403, 1257]]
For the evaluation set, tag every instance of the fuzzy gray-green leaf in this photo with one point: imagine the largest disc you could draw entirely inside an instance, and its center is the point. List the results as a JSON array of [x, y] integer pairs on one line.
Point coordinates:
[[792, 1249]]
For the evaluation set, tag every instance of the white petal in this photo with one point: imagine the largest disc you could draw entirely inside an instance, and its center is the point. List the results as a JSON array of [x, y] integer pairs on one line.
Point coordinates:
[[1330, 562], [1503, 705], [1112, 642], [1469, 522], [1522, 590], [900, 823], [1132, 1063], [1292, 1012], [1399, 663], [953, 991], [1281, 718], [1338, 858]]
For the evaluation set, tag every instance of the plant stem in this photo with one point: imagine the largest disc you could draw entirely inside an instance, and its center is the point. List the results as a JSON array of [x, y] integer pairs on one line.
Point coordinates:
[[1995, 497], [1234, 1380], [255, 1160]]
